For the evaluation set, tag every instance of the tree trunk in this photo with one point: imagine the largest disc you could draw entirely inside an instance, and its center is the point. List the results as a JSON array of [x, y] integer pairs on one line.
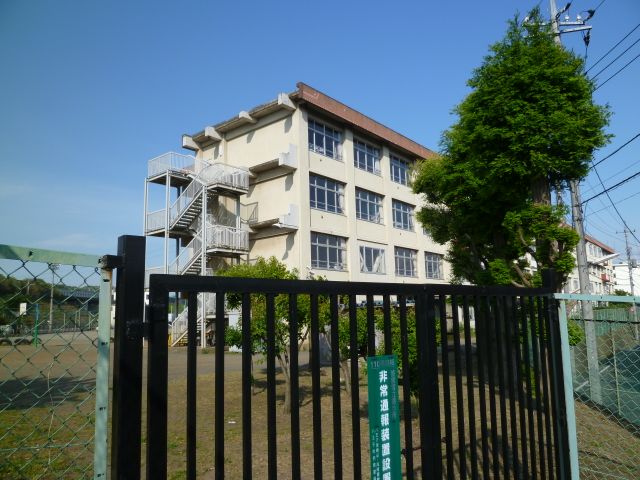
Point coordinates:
[[541, 191], [285, 365], [346, 373]]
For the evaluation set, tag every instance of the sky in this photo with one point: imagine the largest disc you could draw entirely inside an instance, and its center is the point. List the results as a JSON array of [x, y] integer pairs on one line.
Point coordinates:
[[90, 91]]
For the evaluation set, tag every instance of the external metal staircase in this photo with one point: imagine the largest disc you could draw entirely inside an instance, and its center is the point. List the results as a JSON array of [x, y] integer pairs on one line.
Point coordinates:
[[179, 328]]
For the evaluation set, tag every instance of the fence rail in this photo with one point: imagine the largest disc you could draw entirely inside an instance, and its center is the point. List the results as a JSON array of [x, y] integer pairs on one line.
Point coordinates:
[[54, 362], [607, 403], [481, 381]]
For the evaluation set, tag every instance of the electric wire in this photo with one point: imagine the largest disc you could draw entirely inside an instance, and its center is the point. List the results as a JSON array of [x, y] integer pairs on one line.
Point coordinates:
[[616, 150], [607, 207], [615, 59], [625, 66], [612, 48], [606, 191]]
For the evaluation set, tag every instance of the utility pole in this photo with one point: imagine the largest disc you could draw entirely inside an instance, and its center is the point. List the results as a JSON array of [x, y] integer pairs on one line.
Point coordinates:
[[630, 265], [576, 210]]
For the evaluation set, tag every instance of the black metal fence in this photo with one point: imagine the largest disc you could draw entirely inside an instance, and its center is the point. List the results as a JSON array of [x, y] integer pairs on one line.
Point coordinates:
[[480, 375]]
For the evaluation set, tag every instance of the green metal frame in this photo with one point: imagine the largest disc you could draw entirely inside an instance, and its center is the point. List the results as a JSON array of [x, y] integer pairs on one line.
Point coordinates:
[[11, 252], [566, 365]]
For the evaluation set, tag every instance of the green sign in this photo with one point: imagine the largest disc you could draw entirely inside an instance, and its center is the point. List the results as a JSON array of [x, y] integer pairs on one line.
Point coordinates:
[[384, 417]]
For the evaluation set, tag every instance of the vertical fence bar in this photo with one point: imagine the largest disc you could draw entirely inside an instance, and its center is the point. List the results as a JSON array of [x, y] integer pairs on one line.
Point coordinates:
[[102, 376], [406, 387], [315, 388], [459, 394], [511, 316], [157, 365], [543, 338], [219, 385], [499, 318], [527, 335], [522, 405], [355, 387], [491, 377], [192, 327], [535, 335], [272, 465], [386, 307], [470, 395], [558, 395], [127, 361], [444, 347], [482, 333], [572, 434], [335, 389], [247, 382], [371, 327], [294, 383]]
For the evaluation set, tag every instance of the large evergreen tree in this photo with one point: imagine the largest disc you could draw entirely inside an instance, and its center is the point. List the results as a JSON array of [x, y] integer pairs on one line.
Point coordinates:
[[529, 126]]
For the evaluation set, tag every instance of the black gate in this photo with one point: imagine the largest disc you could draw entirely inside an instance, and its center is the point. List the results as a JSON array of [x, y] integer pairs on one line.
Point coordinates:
[[481, 378]]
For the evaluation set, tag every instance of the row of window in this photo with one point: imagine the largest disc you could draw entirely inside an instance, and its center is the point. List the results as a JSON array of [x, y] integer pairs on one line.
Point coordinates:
[[327, 141], [328, 195], [330, 252]]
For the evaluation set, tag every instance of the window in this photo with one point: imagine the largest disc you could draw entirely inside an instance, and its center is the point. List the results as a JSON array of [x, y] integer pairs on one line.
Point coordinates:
[[328, 251], [326, 194], [402, 215], [368, 206], [406, 262], [399, 170], [366, 157], [325, 140], [433, 265], [371, 260]]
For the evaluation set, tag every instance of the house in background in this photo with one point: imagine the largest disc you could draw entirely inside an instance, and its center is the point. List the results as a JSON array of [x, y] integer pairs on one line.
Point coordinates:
[[622, 277], [305, 178], [601, 274]]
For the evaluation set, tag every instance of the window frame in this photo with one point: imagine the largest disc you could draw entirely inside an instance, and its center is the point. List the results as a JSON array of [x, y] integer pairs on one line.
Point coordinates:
[[339, 249], [431, 259], [397, 163], [331, 188], [377, 257], [363, 153], [317, 130], [400, 214], [402, 258], [372, 200]]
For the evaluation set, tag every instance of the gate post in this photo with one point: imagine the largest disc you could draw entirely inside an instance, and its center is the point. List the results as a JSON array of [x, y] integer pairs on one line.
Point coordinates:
[[429, 397], [127, 359]]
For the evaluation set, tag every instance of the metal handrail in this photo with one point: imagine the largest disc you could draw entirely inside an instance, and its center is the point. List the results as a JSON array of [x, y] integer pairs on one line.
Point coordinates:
[[184, 200], [170, 161], [223, 174], [184, 259], [155, 220], [228, 237]]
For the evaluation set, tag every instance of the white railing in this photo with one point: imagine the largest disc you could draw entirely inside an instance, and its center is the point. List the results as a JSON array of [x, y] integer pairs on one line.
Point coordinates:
[[180, 326], [222, 174], [183, 260], [184, 200], [155, 220], [170, 161], [227, 237]]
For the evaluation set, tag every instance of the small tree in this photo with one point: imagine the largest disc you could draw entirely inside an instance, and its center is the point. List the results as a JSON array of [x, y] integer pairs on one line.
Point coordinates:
[[528, 125], [272, 269]]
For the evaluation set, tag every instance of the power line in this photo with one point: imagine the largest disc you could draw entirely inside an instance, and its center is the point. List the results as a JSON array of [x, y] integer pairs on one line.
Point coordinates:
[[615, 151], [612, 48], [615, 59], [629, 63], [607, 190], [618, 202]]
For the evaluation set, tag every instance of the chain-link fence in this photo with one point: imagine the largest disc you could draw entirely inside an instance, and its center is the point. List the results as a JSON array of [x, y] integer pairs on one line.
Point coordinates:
[[605, 365], [49, 351]]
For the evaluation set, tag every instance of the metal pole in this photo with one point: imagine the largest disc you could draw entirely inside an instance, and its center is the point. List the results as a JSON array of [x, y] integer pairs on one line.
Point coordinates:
[[203, 269], [630, 267], [53, 267], [581, 258], [167, 197], [126, 424]]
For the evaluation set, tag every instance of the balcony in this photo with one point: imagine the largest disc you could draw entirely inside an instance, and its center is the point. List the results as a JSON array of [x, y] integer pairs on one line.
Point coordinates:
[[170, 162], [221, 238], [155, 221]]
